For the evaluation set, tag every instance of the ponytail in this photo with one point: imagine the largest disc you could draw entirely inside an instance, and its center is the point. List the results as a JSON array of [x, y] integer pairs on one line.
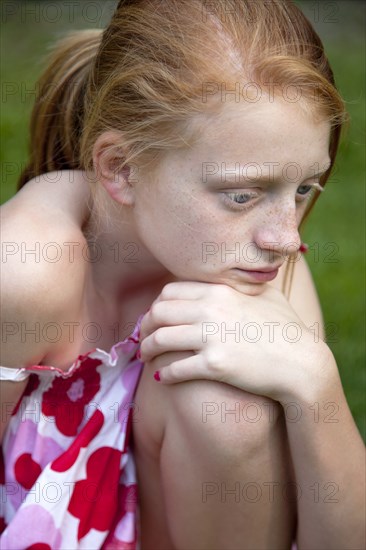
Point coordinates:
[[57, 116]]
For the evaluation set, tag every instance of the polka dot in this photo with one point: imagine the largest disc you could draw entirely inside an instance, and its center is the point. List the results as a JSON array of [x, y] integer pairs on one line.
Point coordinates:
[[26, 470], [90, 430]]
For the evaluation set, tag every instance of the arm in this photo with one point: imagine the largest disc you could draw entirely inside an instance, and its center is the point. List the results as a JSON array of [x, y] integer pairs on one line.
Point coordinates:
[[303, 296], [328, 457], [34, 291], [17, 310], [23, 344], [326, 448], [303, 373]]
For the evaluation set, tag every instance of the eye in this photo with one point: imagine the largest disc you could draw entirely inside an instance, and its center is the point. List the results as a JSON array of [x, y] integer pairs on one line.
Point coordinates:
[[304, 189], [239, 200], [305, 192]]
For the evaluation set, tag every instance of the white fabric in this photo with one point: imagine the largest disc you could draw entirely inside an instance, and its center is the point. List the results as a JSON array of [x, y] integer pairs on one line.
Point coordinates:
[[13, 375]]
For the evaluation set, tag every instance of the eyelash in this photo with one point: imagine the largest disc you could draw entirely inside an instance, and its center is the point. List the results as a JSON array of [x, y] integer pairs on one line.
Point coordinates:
[[247, 203], [305, 196], [236, 205]]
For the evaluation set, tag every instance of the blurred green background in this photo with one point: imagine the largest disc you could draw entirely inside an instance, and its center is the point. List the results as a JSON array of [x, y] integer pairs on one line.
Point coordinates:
[[335, 231]]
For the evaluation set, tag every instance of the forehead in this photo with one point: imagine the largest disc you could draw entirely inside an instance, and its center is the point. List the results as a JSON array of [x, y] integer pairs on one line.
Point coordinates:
[[266, 131]]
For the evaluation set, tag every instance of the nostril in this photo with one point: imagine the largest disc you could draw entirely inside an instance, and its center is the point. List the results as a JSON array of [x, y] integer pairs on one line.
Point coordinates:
[[281, 237]]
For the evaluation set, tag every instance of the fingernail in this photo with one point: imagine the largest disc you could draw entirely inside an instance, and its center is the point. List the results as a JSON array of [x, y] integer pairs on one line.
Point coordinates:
[[303, 248], [157, 375], [138, 354]]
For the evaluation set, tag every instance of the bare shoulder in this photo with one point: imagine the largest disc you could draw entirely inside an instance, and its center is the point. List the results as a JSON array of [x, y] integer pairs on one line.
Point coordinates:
[[64, 195], [43, 271], [303, 295], [42, 242]]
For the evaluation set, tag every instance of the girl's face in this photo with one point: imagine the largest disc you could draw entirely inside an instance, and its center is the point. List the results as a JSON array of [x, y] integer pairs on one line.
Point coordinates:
[[233, 202]]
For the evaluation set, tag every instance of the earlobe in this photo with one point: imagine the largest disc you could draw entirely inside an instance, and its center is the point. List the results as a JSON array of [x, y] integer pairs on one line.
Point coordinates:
[[108, 159]]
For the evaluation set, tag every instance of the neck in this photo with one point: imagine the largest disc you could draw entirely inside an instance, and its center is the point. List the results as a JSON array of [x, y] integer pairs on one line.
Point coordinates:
[[121, 266]]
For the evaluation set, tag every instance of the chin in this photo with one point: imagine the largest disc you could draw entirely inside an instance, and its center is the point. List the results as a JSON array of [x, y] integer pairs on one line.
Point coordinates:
[[251, 290]]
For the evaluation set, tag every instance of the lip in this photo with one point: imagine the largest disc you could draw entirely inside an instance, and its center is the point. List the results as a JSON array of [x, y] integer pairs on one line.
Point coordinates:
[[258, 276]]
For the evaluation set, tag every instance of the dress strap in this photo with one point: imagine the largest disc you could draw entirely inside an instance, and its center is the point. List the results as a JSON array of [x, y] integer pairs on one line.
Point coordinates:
[[13, 375]]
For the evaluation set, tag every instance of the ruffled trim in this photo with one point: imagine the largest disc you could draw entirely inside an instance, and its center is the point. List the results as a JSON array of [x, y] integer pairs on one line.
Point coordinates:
[[13, 375], [127, 347]]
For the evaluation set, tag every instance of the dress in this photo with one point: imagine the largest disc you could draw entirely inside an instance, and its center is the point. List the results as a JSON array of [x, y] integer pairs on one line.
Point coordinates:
[[69, 478]]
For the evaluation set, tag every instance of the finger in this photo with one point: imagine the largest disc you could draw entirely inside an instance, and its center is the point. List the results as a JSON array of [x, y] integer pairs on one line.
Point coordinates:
[[190, 291], [183, 290], [168, 313], [168, 339], [190, 368]]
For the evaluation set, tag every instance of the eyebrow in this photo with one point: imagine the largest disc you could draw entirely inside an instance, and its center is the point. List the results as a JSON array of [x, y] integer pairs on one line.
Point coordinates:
[[327, 165], [271, 176]]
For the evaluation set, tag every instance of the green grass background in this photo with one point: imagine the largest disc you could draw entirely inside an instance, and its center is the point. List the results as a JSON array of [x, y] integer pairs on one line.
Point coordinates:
[[28, 28]]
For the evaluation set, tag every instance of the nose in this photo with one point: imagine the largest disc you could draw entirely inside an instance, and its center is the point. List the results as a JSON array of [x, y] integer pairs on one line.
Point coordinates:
[[278, 231]]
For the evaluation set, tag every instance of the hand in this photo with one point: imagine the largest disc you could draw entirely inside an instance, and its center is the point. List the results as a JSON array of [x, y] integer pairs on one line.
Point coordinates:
[[269, 350]]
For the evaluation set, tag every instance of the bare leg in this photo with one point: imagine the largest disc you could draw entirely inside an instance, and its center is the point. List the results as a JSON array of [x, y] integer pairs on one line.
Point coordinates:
[[208, 478]]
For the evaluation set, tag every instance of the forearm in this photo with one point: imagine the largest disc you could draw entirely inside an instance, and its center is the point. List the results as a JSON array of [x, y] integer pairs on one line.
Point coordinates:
[[301, 372], [328, 458]]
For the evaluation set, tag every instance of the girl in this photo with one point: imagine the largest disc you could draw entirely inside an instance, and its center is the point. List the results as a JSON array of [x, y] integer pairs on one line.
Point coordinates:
[[201, 167]]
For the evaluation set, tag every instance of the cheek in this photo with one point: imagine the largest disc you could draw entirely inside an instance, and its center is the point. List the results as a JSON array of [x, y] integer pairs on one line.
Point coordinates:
[[174, 227], [188, 229], [190, 235], [300, 212]]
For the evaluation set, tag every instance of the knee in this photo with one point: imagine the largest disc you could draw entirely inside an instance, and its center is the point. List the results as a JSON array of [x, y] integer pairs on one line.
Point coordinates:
[[224, 419]]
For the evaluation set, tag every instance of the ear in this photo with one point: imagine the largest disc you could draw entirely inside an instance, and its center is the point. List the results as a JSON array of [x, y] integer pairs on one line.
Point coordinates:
[[108, 157]]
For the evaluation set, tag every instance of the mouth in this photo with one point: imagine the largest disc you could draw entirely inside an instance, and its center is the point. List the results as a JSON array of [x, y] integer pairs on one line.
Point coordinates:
[[260, 276]]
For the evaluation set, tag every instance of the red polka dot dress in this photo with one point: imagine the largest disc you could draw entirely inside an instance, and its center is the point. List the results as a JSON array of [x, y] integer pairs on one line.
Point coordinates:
[[68, 474]]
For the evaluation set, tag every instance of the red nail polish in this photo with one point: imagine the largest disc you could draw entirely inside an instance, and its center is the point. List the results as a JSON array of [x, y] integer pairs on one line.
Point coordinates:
[[157, 376], [303, 248]]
